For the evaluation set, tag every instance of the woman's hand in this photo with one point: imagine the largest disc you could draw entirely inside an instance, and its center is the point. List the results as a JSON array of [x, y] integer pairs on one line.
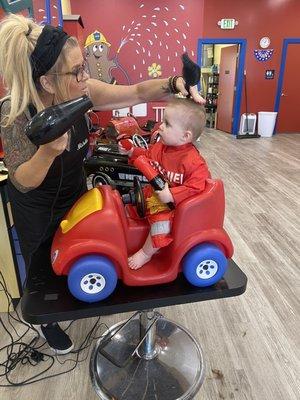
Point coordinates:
[[56, 147], [165, 195], [193, 91]]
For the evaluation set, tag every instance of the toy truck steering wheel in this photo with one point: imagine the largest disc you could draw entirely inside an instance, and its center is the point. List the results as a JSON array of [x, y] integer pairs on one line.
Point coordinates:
[[139, 141], [139, 197]]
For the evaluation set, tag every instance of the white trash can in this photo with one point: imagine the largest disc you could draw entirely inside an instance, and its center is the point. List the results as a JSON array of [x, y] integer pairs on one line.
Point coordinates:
[[266, 123]]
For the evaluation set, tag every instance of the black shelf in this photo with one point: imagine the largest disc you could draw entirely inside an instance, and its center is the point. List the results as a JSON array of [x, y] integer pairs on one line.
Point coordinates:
[[212, 98]]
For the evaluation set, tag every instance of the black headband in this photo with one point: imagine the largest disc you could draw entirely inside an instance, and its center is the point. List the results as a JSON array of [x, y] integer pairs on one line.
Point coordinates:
[[47, 49]]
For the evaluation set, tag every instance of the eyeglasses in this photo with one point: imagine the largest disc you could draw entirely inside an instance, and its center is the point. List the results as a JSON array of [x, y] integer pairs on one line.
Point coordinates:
[[78, 72]]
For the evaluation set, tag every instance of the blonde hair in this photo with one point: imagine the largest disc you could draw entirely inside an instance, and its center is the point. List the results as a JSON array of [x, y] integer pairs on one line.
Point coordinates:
[[18, 37], [193, 115]]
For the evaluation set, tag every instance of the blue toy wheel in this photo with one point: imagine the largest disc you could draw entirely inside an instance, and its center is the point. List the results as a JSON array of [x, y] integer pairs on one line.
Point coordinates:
[[204, 265], [92, 278]]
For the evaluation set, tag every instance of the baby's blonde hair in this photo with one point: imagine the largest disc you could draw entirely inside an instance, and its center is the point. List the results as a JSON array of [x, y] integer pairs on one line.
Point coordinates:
[[193, 115], [16, 46]]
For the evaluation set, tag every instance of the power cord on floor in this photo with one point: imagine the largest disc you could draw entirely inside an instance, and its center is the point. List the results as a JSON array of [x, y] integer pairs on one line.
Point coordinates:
[[19, 353]]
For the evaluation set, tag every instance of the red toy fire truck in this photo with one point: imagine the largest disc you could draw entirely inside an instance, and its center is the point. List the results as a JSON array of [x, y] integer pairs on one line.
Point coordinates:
[[98, 234]]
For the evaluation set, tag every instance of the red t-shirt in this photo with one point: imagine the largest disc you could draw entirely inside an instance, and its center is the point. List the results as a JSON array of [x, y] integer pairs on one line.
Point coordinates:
[[182, 166]]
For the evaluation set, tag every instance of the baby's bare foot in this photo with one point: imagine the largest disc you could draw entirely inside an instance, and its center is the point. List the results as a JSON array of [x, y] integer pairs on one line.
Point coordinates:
[[138, 259]]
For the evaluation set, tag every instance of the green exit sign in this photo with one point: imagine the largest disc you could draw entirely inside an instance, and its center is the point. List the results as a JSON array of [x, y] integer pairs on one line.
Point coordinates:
[[227, 23]]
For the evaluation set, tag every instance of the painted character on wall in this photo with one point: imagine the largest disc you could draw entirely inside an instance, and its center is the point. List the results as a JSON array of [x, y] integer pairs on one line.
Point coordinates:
[[97, 50], [97, 55]]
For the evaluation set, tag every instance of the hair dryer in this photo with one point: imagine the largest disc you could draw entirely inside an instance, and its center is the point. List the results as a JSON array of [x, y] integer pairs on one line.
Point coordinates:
[[156, 180], [54, 121]]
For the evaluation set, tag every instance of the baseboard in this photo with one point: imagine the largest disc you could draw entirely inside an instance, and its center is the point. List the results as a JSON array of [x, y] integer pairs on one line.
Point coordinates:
[[248, 136]]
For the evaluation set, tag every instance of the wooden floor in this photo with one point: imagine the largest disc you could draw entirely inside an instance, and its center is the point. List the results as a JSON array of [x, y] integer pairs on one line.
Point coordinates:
[[252, 342]]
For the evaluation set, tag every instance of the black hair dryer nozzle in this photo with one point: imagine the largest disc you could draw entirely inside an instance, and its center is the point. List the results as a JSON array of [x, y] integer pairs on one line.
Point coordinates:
[[54, 121]]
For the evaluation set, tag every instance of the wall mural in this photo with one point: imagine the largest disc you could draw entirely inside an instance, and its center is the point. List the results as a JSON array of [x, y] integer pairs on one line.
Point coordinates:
[[154, 32], [154, 50], [97, 56]]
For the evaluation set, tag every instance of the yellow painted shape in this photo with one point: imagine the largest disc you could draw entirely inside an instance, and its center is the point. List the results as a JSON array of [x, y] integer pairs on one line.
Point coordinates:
[[91, 39], [154, 205], [90, 202]]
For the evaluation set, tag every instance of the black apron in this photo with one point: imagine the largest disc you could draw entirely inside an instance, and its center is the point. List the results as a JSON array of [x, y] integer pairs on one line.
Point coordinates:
[[37, 213]]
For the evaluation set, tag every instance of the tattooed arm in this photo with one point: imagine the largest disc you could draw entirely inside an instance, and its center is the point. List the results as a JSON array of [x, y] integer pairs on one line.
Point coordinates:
[[27, 165], [108, 97]]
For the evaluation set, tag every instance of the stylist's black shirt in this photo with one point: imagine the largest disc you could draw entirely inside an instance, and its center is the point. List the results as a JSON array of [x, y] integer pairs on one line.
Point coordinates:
[[38, 212]]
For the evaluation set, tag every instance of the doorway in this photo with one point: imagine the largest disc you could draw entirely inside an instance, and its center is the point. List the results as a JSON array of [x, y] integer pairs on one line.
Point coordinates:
[[222, 65], [287, 96]]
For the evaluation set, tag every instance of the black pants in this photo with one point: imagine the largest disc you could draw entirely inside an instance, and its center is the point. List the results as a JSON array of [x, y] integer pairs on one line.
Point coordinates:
[[39, 267]]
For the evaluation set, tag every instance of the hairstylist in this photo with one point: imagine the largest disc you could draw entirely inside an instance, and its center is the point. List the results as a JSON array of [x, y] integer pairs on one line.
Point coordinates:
[[41, 66]]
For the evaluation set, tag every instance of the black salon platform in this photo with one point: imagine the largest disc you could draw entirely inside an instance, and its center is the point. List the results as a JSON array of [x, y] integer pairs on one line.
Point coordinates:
[[147, 357]]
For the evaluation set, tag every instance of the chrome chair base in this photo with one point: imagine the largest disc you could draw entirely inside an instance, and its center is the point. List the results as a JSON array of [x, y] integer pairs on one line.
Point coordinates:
[[147, 358]]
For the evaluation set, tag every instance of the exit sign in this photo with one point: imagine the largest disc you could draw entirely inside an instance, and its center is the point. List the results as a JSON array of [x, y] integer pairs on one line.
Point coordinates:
[[227, 23]]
